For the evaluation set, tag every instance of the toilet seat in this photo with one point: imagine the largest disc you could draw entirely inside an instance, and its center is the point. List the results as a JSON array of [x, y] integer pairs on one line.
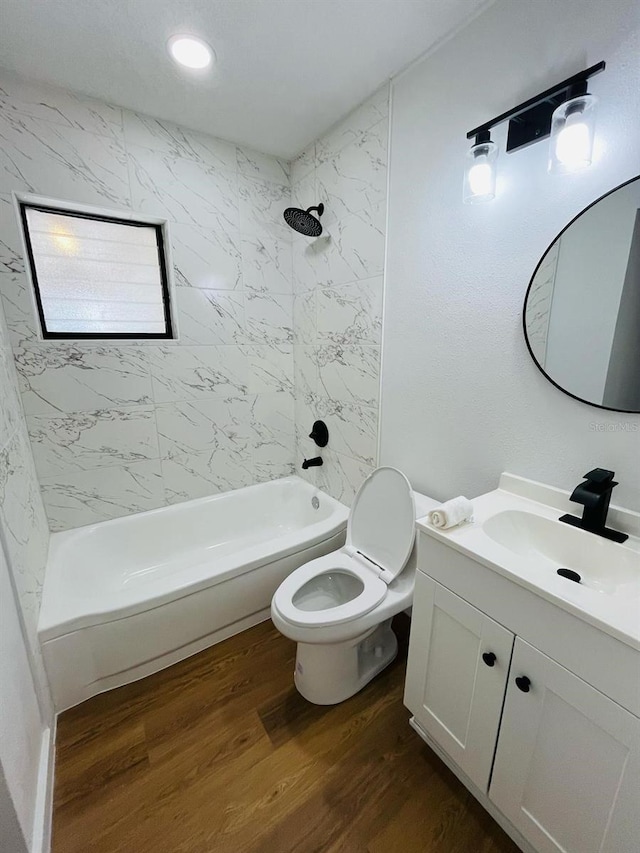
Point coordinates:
[[381, 523], [380, 538], [373, 591]]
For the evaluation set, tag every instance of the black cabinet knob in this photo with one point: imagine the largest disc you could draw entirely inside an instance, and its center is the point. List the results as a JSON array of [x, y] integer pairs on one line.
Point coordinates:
[[489, 658], [523, 683]]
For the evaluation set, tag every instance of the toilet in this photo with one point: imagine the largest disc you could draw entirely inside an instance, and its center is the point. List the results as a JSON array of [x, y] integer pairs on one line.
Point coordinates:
[[338, 608]]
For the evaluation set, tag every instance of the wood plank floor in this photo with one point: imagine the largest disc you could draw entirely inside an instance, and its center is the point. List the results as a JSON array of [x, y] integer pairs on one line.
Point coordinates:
[[220, 753]]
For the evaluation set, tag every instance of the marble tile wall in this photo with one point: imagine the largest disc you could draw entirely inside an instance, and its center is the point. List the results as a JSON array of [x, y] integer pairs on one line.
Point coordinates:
[[338, 293], [539, 302], [274, 329], [24, 532], [117, 429]]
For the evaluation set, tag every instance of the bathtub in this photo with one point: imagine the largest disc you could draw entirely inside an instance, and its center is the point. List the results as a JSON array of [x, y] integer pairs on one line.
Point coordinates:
[[125, 598]]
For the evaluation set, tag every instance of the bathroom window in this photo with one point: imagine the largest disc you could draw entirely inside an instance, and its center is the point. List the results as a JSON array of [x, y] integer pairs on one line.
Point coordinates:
[[96, 276]]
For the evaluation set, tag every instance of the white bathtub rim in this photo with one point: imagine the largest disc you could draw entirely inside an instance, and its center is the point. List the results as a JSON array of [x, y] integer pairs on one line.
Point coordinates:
[[96, 617], [78, 669], [59, 613], [59, 539]]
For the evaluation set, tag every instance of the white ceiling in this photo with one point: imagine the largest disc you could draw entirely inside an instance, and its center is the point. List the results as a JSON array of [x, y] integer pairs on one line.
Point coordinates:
[[286, 69]]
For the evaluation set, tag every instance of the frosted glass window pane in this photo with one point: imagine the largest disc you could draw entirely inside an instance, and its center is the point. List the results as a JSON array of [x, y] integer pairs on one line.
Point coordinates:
[[96, 276], [48, 222], [54, 246], [80, 309], [57, 270], [106, 328]]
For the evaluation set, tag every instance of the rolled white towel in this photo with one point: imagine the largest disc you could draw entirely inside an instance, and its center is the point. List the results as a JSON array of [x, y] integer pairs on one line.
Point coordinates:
[[451, 513]]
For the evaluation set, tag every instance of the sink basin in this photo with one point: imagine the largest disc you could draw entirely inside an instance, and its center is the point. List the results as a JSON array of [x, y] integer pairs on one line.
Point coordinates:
[[515, 532], [603, 565]]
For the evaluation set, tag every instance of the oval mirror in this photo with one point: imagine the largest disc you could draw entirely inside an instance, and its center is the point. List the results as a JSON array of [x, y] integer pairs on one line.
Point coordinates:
[[582, 308]]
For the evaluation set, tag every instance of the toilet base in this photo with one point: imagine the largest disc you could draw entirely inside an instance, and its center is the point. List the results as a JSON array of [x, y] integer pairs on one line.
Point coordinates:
[[328, 673]]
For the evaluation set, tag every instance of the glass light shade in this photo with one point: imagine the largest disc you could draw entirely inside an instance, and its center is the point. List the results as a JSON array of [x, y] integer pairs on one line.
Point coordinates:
[[480, 173], [572, 133], [190, 52]]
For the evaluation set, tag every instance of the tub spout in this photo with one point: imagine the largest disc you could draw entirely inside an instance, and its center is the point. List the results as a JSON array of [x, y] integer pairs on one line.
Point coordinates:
[[312, 463]]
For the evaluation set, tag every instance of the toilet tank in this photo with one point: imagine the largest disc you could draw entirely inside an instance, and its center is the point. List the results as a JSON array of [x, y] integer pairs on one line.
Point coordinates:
[[424, 505]]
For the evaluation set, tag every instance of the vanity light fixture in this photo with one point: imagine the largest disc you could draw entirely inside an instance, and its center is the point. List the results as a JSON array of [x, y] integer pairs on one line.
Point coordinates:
[[190, 52], [565, 112], [480, 172], [572, 132]]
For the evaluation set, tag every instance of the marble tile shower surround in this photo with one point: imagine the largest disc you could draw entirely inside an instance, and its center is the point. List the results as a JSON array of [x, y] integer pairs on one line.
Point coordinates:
[[117, 428], [24, 532], [338, 292], [539, 302], [274, 330]]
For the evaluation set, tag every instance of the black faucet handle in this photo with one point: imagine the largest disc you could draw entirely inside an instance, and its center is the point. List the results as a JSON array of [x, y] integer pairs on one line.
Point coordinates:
[[594, 495], [601, 476], [320, 433]]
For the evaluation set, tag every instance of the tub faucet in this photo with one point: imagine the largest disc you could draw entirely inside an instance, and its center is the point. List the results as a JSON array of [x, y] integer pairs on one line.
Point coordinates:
[[594, 494], [312, 463]]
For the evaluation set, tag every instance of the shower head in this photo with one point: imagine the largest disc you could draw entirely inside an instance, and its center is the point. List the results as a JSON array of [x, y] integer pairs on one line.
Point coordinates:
[[303, 222]]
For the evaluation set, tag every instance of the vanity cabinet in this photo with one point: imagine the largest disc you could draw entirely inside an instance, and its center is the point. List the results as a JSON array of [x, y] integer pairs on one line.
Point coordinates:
[[457, 676], [552, 757], [567, 767]]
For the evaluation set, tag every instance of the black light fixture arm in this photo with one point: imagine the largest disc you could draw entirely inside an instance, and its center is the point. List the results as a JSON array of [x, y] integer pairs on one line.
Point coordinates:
[[555, 95]]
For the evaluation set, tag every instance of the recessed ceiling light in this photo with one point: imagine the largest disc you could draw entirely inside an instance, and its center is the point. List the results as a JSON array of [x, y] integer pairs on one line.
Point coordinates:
[[190, 51]]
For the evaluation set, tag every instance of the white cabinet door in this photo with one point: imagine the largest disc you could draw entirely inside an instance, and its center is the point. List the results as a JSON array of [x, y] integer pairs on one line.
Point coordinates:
[[567, 768], [456, 676]]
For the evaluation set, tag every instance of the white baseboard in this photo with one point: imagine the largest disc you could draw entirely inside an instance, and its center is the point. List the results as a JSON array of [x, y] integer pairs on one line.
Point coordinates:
[[44, 796]]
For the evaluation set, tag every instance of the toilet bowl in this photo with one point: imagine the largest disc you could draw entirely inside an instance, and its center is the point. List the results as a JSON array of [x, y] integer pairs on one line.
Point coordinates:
[[338, 608]]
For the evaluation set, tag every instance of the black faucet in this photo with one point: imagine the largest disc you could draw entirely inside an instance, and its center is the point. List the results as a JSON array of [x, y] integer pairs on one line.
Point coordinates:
[[594, 494], [312, 463]]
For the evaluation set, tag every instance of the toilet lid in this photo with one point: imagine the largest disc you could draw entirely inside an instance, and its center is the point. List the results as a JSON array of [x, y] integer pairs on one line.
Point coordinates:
[[381, 524]]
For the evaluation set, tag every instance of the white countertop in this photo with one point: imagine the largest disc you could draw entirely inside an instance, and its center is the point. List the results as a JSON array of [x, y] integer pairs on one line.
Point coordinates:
[[616, 612]]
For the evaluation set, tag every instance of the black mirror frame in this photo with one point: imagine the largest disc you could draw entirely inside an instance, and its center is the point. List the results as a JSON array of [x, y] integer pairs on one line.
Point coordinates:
[[526, 297]]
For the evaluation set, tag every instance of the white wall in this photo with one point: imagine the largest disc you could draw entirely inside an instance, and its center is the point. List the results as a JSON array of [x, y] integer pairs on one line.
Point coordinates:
[[592, 264], [21, 727], [11, 837], [461, 398]]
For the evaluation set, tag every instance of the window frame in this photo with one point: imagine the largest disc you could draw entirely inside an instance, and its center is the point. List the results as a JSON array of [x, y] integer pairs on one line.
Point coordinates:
[[28, 202]]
